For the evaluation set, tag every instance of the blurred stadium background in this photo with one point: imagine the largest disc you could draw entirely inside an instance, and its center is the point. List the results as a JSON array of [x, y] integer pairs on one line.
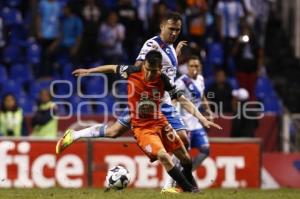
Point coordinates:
[[43, 41]]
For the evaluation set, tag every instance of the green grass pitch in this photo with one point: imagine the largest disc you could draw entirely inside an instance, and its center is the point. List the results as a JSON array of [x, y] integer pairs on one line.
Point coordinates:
[[59, 193]]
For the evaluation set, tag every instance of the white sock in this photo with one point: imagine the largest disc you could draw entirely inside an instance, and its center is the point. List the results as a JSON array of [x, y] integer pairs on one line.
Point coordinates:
[[93, 131]]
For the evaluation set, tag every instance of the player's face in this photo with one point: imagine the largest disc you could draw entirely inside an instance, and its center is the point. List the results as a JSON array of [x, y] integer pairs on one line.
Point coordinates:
[[151, 71], [170, 30], [194, 68]]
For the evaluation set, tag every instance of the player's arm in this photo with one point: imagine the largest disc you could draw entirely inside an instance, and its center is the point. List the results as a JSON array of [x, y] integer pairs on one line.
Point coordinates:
[[207, 108], [190, 107], [98, 69], [179, 47], [185, 103]]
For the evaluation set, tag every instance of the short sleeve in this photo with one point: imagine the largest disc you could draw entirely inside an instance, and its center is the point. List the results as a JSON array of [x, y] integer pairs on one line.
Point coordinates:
[[148, 45], [171, 88], [125, 70], [180, 84]]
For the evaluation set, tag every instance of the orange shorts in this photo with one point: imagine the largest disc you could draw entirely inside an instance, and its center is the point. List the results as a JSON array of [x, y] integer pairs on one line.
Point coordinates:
[[152, 140]]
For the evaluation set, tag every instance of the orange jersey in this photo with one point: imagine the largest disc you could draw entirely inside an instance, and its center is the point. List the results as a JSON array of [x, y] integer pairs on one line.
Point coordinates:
[[150, 127], [144, 97]]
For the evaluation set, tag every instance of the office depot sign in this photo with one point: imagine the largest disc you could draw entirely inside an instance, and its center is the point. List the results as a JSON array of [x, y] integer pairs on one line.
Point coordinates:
[[33, 163], [231, 164], [27, 164]]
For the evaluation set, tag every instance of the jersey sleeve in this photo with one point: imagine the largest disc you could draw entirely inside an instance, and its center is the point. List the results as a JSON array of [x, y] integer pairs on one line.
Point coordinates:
[[148, 45], [125, 70], [180, 84], [202, 81], [171, 88]]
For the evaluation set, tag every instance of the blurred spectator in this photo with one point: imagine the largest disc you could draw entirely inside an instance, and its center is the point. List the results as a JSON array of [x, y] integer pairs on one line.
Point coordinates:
[[246, 53], [196, 17], [257, 17], [159, 9], [242, 124], [43, 123], [2, 35], [219, 92], [91, 15], [144, 9], [11, 117], [111, 37], [71, 34], [229, 19], [129, 18], [47, 23]]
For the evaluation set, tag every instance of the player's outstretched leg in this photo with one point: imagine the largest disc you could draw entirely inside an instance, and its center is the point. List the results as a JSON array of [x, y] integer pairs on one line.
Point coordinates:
[[64, 142], [97, 131], [70, 136]]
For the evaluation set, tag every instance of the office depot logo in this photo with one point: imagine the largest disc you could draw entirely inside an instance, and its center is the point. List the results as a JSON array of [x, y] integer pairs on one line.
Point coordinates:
[[147, 175], [21, 169]]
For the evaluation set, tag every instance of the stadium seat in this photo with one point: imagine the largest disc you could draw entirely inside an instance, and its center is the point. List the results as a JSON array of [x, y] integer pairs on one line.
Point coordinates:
[[272, 104], [13, 87], [13, 3], [263, 88], [63, 88], [33, 53], [215, 54], [110, 4], [94, 85], [28, 105], [11, 54], [209, 81], [121, 89], [37, 86], [67, 69], [108, 103], [11, 16], [3, 74], [75, 100], [21, 73], [17, 35], [233, 82]]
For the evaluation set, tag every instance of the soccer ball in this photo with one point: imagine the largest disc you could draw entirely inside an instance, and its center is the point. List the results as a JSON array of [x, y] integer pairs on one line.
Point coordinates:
[[117, 178]]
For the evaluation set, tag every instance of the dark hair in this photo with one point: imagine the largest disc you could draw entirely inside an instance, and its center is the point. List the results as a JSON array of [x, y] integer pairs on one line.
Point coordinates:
[[3, 108], [194, 57], [170, 15], [154, 58]]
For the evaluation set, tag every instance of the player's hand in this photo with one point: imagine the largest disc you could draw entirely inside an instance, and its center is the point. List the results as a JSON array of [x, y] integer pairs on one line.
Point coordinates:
[[81, 72], [210, 116], [180, 45], [208, 124]]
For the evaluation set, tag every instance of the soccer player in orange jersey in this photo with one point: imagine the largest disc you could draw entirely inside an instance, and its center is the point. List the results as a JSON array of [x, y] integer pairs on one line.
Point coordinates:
[[153, 133]]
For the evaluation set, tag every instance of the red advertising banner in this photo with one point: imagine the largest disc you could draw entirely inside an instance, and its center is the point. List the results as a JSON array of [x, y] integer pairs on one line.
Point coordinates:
[[33, 163], [283, 169], [231, 164]]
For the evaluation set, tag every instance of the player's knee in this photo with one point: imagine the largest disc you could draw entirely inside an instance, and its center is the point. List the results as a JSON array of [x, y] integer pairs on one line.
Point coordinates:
[[111, 132], [205, 150], [115, 130]]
